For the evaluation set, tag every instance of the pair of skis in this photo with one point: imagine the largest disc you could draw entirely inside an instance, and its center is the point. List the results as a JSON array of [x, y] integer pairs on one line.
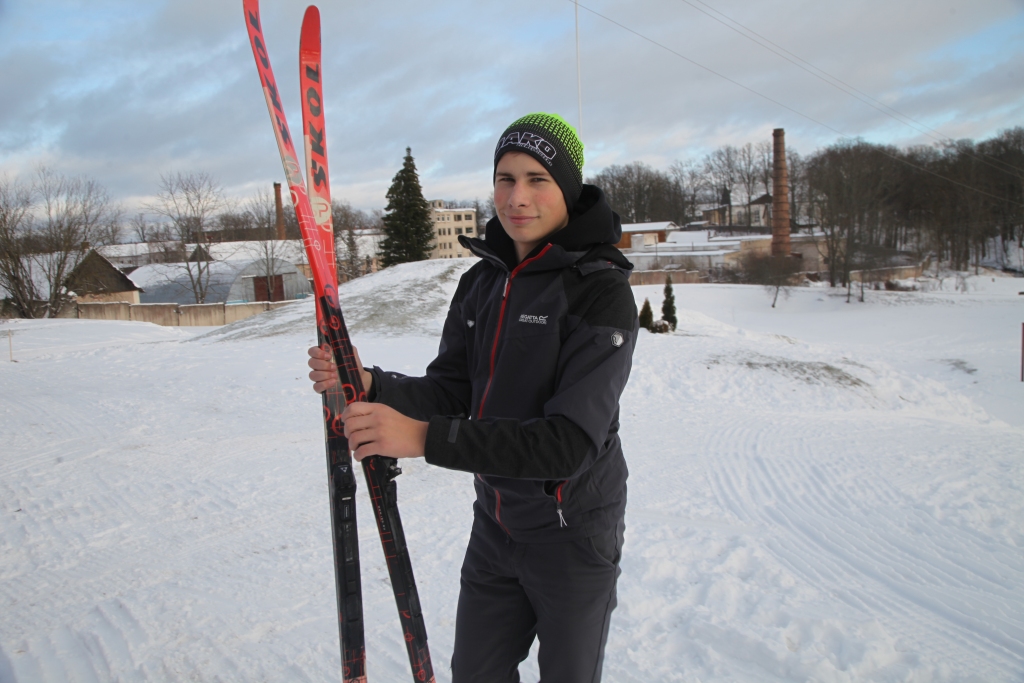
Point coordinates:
[[313, 210]]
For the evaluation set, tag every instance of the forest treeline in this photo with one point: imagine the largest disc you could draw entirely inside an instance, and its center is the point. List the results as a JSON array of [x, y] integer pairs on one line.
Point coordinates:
[[954, 200]]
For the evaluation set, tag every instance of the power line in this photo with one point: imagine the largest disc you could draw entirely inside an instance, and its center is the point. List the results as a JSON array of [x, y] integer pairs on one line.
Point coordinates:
[[836, 82], [579, 82], [785, 106]]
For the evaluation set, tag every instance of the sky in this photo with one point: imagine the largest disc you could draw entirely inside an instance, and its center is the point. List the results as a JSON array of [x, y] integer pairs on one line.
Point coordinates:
[[125, 91]]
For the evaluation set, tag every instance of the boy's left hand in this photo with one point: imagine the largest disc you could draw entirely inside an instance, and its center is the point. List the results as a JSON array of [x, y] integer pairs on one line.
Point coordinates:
[[377, 429]]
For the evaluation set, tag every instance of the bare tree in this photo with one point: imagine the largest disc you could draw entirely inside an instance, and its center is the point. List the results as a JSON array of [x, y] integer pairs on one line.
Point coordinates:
[[189, 201], [145, 231], [765, 164], [15, 264], [748, 172], [348, 223], [720, 168], [260, 215], [268, 254], [640, 194], [111, 230], [72, 210], [489, 212], [775, 273], [141, 230], [692, 183], [851, 184], [799, 192]]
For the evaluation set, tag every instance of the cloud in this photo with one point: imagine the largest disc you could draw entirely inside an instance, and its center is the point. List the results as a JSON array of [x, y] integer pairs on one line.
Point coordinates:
[[125, 91]]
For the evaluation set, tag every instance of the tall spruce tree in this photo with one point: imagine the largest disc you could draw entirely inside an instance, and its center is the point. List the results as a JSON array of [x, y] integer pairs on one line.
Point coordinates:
[[408, 230], [668, 306]]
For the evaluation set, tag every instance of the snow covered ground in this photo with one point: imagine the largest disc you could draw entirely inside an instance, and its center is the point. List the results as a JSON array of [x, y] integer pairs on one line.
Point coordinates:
[[820, 492]]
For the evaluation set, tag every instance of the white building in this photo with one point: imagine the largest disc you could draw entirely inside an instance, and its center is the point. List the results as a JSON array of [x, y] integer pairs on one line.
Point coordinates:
[[448, 225]]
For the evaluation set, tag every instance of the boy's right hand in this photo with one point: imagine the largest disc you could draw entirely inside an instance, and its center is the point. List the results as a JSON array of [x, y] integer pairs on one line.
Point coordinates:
[[324, 373]]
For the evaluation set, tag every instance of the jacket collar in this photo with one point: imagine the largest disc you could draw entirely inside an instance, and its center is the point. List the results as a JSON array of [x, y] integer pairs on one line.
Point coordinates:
[[591, 234]]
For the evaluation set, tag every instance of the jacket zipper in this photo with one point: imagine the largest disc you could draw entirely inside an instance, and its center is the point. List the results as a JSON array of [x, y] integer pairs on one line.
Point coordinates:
[[558, 499], [501, 319], [494, 354]]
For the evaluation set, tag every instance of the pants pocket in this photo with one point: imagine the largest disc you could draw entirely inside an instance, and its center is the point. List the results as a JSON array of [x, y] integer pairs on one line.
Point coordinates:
[[608, 546]]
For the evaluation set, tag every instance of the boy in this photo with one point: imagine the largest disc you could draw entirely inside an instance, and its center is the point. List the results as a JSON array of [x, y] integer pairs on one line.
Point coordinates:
[[524, 393]]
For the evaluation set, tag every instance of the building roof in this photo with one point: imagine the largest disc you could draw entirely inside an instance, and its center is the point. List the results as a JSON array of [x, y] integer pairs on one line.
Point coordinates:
[[113, 252], [103, 273], [649, 227], [367, 242]]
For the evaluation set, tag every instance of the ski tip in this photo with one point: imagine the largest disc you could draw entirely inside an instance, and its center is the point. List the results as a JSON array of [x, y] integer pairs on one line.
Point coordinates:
[[310, 38], [251, 7]]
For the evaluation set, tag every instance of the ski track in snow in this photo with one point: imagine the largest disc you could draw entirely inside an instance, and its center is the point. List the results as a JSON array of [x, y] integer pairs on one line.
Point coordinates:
[[826, 494]]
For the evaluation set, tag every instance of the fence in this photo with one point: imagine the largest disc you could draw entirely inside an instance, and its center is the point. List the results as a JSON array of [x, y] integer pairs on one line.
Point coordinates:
[[883, 274], [173, 315], [657, 277]]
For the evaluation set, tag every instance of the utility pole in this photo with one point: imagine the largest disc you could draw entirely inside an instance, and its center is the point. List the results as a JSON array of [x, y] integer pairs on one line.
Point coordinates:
[[579, 83]]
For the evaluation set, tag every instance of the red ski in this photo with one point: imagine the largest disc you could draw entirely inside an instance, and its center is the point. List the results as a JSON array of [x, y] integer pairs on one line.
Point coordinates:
[[379, 471], [341, 479]]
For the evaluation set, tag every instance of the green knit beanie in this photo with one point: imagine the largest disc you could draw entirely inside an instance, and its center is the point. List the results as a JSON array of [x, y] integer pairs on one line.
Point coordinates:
[[553, 142]]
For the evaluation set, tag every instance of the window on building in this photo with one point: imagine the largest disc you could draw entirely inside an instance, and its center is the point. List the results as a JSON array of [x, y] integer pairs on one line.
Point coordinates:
[[469, 216], [458, 231], [469, 230], [458, 216]]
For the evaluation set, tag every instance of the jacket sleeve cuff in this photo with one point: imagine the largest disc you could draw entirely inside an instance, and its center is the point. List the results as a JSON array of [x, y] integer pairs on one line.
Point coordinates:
[[373, 391], [440, 448]]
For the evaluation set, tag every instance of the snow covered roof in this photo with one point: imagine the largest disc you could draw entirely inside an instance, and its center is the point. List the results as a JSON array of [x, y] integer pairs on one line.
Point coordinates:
[[289, 250], [113, 252], [649, 227], [367, 243]]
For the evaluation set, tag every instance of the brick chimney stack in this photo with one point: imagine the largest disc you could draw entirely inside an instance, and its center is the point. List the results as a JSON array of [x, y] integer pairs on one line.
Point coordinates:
[[780, 195], [280, 211]]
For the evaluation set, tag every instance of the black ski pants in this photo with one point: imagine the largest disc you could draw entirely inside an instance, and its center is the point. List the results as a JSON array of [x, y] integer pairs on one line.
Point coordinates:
[[562, 593]]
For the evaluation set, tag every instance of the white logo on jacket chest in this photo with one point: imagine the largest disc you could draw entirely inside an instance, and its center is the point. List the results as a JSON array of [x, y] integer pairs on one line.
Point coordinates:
[[535, 319]]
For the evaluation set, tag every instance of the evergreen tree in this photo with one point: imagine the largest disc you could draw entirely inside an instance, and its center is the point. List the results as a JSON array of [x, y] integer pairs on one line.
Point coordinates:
[[668, 307], [408, 230], [646, 315]]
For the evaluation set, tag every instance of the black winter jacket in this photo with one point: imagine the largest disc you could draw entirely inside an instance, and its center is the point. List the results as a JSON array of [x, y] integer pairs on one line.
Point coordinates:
[[525, 388]]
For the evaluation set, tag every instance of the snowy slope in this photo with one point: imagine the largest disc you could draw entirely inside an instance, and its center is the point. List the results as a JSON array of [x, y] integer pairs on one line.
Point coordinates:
[[823, 491]]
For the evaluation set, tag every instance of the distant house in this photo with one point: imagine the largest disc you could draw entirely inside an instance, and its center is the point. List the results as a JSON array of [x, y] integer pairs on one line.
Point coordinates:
[[448, 225], [759, 212], [755, 214], [129, 256], [96, 280], [638, 235]]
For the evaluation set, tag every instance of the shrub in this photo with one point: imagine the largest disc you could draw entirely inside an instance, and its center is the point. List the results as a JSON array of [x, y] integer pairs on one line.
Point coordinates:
[[668, 307], [646, 315]]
